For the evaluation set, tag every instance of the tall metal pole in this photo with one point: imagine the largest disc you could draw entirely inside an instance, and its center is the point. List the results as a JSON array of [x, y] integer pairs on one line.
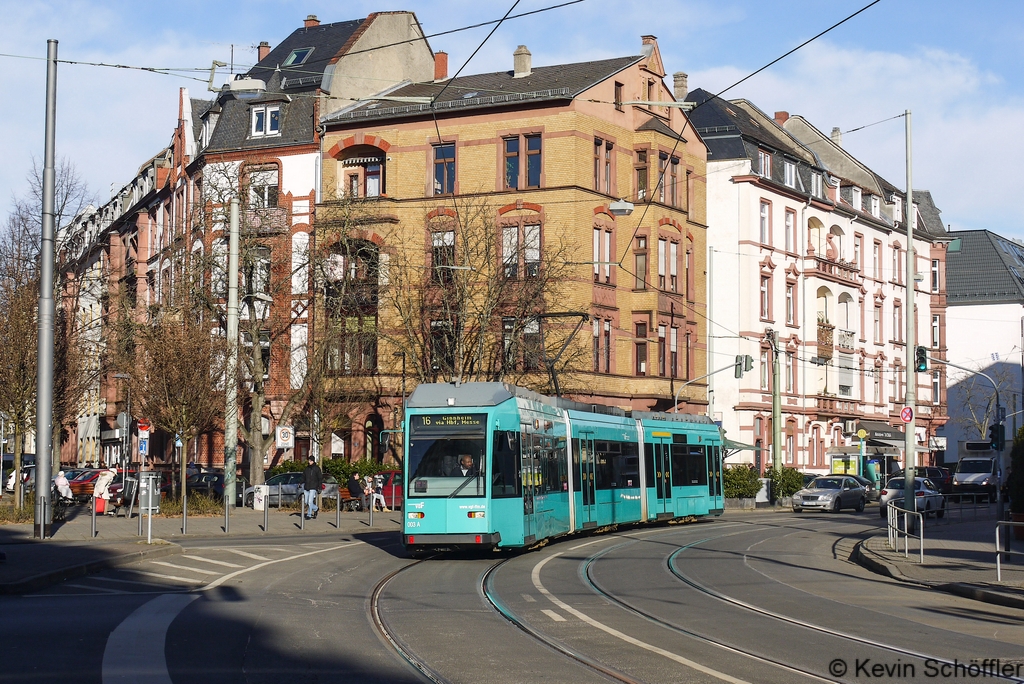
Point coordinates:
[[230, 386], [44, 368], [910, 445], [773, 338]]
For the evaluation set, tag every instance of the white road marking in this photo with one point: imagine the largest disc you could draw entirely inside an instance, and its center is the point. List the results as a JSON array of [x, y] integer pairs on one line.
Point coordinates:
[[135, 651], [190, 580], [183, 567], [246, 554], [528, 598], [553, 615], [620, 635], [231, 575], [580, 546], [102, 590], [210, 560]]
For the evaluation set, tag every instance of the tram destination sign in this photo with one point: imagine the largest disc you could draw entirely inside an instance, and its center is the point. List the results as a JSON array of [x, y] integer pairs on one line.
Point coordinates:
[[448, 423]]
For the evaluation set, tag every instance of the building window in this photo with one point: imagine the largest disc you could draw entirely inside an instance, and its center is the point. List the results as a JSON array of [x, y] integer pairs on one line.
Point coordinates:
[[896, 270], [598, 151], [607, 346], [897, 323], [935, 275], [520, 249], [521, 353], [855, 198], [618, 96], [691, 272], [816, 185], [662, 163], [641, 349], [897, 210], [764, 160], [936, 396], [857, 247], [766, 223], [533, 161], [790, 231], [597, 344], [443, 254], [765, 371], [511, 163], [263, 187], [876, 207], [673, 266], [789, 169], [878, 324], [641, 174], [662, 258], [297, 56], [640, 262], [673, 351], [790, 304], [766, 297], [265, 121], [513, 146], [661, 350], [790, 372], [935, 331], [673, 181], [442, 347], [876, 261], [876, 381], [608, 168], [444, 169]]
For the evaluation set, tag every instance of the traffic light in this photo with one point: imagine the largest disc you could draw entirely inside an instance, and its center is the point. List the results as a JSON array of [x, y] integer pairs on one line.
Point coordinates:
[[997, 437], [744, 362], [921, 359]]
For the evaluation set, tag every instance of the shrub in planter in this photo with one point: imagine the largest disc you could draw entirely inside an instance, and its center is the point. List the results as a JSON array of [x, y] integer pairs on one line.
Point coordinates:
[[785, 482], [741, 482]]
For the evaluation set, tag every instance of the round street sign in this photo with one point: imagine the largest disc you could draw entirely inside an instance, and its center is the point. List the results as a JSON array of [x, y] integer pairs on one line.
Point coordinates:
[[862, 433], [907, 414], [143, 424]]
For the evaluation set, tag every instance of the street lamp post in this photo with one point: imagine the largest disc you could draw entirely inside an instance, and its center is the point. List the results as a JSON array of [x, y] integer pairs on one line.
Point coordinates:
[[230, 385]]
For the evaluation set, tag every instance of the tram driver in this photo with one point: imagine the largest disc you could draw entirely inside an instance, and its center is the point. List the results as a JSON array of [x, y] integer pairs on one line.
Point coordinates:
[[466, 467]]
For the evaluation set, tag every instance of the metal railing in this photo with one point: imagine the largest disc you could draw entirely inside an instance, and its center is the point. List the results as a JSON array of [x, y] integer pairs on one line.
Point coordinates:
[[910, 521], [1000, 551]]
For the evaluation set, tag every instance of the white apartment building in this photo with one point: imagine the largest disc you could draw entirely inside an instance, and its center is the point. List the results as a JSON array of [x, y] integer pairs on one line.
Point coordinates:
[[806, 241]]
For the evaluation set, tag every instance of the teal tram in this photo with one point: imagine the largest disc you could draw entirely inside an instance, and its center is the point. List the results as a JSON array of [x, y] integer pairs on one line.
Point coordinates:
[[491, 465]]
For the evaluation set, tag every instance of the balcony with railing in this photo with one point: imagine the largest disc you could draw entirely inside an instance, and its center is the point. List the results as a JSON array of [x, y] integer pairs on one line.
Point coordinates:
[[843, 272], [845, 339], [825, 329], [266, 220], [830, 406]]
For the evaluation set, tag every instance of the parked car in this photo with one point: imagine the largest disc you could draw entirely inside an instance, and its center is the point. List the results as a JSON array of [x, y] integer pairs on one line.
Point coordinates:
[[869, 487], [940, 477], [28, 479], [929, 498], [390, 487], [831, 493], [211, 484], [287, 488], [82, 485]]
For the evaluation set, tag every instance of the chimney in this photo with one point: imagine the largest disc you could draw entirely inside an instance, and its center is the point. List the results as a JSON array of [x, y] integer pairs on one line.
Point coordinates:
[[263, 50], [440, 66], [837, 136], [523, 63], [679, 87], [781, 118], [311, 21]]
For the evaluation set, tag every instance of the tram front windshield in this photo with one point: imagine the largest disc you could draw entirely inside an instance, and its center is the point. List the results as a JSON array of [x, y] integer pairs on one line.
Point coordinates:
[[446, 455]]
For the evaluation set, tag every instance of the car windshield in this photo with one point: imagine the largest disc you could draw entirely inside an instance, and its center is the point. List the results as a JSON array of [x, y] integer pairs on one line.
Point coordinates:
[[827, 483], [446, 452], [974, 466], [895, 483]]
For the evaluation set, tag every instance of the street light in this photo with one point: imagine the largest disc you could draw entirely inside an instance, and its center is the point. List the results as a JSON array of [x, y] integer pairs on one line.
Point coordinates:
[[621, 208]]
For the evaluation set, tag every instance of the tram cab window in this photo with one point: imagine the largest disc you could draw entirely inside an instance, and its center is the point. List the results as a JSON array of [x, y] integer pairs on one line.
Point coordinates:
[[436, 447], [505, 465]]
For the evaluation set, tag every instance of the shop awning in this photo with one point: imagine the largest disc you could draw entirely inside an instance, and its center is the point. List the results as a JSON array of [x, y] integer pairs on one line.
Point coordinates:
[[881, 434], [733, 445]]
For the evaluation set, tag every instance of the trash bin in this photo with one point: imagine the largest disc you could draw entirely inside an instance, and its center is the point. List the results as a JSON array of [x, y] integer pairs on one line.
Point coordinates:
[[259, 497], [149, 493]]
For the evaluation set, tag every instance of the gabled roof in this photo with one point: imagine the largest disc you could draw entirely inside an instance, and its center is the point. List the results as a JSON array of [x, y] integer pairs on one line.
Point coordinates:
[[988, 269], [722, 124], [327, 40], [486, 91]]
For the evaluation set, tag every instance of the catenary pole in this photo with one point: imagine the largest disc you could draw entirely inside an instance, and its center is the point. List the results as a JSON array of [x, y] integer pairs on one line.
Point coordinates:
[[776, 405], [44, 367], [910, 445], [230, 386]]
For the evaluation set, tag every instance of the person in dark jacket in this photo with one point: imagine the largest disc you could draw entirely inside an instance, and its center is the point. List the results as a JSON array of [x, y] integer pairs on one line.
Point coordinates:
[[355, 489], [312, 480]]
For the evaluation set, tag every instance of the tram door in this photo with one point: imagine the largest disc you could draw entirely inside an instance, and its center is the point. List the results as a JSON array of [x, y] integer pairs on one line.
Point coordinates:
[[530, 473], [659, 472], [714, 472], [587, 480]]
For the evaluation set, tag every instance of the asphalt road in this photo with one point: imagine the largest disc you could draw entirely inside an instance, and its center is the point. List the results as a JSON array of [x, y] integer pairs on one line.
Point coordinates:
[[758, 598]]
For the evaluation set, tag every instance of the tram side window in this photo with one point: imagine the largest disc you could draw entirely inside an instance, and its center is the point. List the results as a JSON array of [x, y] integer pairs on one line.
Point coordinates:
[[505, 470], [576, 446], [610, 464], [692, 469], [628, 473]]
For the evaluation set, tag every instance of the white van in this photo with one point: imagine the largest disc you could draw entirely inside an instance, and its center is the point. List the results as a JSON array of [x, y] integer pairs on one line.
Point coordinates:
[[977, 475]]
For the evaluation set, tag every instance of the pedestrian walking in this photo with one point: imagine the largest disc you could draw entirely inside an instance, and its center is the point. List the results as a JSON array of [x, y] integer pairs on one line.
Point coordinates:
[[312, 481]]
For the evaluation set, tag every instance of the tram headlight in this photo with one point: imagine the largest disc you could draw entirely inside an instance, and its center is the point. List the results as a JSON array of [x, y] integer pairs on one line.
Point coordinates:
[[475, 514], [415, 515]]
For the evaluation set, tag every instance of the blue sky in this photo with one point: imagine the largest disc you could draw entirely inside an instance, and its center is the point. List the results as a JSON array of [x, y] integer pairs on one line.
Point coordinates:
[[955, 65]]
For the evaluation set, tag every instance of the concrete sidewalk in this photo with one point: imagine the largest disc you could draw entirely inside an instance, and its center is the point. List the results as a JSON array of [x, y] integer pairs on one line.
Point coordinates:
[[959, 558], [28, 564]]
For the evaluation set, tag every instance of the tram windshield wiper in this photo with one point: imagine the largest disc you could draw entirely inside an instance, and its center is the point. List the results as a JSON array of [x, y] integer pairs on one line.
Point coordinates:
[[463, 485]]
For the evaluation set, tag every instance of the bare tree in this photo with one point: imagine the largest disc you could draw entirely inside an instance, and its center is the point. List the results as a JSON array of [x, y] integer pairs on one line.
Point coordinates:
[[972, 401]]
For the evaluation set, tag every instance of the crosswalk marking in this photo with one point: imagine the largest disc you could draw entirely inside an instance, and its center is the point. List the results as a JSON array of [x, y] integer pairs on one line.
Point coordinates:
[[210, 560], [246, 554], [190, 580], [553, 615], [184, 567], [528, 598]]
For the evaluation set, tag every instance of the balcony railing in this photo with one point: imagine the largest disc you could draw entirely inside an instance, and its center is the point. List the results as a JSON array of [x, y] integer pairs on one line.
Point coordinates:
[[825, 346], [268, 220], [844, 338], [840, 271], [831, 406]]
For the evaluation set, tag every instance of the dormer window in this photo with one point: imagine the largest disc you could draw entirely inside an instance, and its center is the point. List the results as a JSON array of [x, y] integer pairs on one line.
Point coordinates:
[[790, 174], [298, 56], [266, 121], [876, 206], [897, 212], [855, 199], [816, 185], [764, 160]]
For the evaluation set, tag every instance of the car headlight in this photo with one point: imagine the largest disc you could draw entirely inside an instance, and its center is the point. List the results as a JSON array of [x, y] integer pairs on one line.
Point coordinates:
[[985, 481]]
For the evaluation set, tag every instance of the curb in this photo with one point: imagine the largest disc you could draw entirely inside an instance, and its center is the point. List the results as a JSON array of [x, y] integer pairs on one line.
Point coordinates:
[[870, 560], [52, 577]]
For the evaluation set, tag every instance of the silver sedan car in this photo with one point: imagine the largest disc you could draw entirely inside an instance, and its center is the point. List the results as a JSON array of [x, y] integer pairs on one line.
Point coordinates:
[[831, 493], [287, 488], [929, 498]]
